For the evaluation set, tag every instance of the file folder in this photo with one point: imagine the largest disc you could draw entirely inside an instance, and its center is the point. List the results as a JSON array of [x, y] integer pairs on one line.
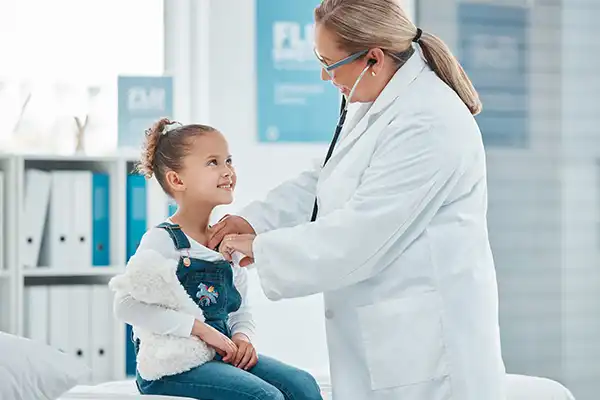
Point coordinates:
[[102, 325], [34, 211], [78, 323], [82, 220], [101, 219], [36, 302], [137, 214], [58, 250], [59, 332]]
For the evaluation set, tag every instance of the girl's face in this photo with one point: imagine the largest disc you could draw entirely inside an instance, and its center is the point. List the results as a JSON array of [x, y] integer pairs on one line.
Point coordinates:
[[208, 176]]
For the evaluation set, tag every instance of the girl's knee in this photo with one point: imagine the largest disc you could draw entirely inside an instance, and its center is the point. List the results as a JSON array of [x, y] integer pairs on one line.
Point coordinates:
[[272, 393], [307, 387]]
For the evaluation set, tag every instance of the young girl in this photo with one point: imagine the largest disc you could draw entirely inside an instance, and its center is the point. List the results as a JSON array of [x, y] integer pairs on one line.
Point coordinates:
[[192, 164]]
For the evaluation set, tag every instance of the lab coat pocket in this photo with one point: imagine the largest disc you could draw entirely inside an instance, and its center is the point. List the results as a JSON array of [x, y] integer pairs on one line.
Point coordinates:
[[404, 341]]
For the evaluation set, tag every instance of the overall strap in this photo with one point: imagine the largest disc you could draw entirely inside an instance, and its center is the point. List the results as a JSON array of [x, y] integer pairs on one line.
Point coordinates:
[[179, 238]]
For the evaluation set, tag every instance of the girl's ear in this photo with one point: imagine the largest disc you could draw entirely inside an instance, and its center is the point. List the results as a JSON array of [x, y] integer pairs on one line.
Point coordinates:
[[174, 181]]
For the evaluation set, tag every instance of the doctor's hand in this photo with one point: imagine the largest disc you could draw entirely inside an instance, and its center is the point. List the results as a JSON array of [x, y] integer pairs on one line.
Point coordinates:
[[227, 225], [241, 243]]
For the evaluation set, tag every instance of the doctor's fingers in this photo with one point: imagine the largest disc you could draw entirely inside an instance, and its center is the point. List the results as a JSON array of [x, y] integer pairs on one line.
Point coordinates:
[[226, 248], [230, 225], [246, 261], [217, 233]]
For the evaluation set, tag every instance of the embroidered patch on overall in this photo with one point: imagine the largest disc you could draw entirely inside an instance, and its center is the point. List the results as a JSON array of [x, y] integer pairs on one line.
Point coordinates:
[[207, 295]]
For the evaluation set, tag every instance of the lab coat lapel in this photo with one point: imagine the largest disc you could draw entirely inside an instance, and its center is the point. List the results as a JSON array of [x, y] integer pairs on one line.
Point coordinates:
[[374, 118]]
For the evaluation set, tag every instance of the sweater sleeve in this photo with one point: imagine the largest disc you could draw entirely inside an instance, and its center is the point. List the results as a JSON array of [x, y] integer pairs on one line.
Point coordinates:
[[151, 317], [241, 321]]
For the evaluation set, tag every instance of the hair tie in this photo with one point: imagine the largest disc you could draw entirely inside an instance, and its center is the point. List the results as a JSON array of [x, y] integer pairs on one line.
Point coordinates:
[[169, 127], [417, 37]]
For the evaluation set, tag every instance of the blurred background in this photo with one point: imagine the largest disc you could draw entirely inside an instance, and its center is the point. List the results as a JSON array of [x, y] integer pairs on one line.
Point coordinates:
[[80, 80]]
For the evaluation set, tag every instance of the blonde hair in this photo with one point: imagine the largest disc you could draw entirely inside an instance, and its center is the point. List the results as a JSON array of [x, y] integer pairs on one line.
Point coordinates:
[[367, 24]]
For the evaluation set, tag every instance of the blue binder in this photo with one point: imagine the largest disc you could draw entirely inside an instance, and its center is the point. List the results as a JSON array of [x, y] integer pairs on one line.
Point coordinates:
[[136, 227], [100, 219], [172, 207]]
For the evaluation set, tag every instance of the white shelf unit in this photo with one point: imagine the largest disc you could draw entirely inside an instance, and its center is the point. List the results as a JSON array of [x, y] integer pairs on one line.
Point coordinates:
[[14, 278], [8, 260]]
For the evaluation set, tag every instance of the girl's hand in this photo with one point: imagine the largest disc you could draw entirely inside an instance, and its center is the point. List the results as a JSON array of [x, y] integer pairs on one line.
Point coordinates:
[[215, 339], [246, 356], [242, 243]]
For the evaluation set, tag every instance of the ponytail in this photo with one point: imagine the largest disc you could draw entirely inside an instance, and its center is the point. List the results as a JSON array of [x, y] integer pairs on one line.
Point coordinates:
[[446, 66]]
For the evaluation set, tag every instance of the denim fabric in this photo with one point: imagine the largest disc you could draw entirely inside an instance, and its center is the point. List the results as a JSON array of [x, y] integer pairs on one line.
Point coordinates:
[[269, 379]]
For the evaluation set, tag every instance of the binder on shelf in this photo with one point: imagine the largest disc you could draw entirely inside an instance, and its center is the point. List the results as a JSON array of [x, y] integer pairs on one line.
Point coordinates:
[[58, 250], [34, 211], [101, 219], [91, 225], [79, 324], [130, 358], [82, 221], [59, 318], [102, 328], [137, 212], [36, 303], [171, 207]]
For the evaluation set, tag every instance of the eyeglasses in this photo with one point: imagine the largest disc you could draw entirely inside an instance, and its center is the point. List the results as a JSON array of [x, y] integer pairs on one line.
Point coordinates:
[[329, 68]]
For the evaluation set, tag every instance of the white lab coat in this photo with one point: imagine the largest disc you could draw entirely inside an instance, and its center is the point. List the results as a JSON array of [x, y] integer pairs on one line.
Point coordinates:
[[400, 249]]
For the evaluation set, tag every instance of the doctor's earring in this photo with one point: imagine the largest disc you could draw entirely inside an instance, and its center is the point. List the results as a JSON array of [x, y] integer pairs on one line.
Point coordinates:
[[373, 73]]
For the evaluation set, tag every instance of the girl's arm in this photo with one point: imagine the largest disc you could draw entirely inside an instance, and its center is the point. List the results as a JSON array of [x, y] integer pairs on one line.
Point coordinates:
[[151, 317], [241, 321]]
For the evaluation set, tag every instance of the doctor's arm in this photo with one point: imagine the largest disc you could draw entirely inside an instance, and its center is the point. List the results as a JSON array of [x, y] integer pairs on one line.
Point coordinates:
[[410, 176], [286, 205]]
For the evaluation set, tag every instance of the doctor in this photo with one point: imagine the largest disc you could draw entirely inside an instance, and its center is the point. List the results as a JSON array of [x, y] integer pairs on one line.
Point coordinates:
[[399, 246]]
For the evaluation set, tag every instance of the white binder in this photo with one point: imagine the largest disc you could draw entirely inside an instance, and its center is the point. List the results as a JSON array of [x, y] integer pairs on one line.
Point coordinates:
[[102, 328], [34, 210], [36, 313], [81, 252], [78, 325], [59, 317], [58, 242]]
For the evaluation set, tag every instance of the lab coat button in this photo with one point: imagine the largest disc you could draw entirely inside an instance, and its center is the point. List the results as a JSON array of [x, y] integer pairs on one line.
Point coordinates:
[[328, 314]]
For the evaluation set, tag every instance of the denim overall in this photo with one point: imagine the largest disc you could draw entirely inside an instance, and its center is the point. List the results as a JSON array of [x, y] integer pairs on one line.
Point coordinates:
[[210, 285]]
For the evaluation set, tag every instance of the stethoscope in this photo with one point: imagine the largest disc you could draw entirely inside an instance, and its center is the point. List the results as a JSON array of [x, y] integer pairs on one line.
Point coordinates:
[[340, 125]]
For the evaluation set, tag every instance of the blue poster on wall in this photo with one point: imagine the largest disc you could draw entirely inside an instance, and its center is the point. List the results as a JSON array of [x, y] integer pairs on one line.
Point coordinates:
[[493, 49], [293, 103], [142, 100]]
